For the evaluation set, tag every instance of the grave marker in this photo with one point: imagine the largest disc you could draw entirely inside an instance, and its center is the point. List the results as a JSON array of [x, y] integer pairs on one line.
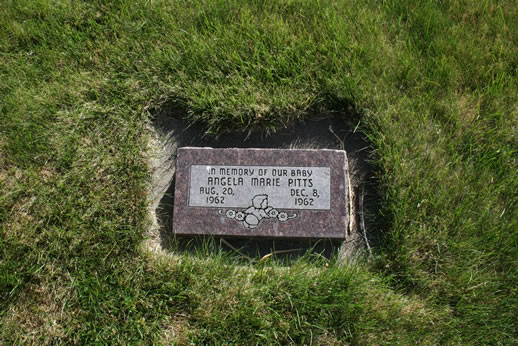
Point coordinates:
[[261, 193]]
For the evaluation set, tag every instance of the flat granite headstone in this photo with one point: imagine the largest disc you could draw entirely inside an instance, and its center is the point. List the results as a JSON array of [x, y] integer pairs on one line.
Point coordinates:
[[261, 193]]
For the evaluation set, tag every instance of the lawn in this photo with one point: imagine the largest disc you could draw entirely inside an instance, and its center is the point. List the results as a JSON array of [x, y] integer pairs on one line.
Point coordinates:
[[433, 83]]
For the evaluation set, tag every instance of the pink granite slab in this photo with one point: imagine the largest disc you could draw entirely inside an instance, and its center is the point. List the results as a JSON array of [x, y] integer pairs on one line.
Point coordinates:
[[254, 210]]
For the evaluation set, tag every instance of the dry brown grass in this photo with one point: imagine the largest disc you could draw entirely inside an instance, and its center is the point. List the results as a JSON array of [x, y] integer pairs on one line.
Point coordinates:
[[42, 314], [177, 331]]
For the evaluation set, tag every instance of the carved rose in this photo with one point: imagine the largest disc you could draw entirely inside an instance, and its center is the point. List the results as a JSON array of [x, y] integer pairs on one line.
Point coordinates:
[[231, 214], [273, 213], [240, 216], [282, 216]]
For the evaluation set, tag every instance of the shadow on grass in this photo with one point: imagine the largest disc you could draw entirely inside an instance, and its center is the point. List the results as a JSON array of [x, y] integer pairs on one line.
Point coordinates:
[[321, 131], [254, 250]]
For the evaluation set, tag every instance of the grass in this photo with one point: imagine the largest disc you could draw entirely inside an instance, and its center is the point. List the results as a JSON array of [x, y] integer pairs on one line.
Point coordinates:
[[435, 84]]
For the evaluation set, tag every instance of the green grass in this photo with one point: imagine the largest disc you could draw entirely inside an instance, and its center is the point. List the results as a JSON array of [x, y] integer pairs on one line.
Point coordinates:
[[435, 84]]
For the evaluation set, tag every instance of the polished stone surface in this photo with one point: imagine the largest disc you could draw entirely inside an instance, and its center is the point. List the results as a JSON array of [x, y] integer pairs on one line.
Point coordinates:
[[261, 193]]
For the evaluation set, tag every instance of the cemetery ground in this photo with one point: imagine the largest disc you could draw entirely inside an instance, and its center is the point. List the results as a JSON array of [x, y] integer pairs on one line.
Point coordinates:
[[432, 85]]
